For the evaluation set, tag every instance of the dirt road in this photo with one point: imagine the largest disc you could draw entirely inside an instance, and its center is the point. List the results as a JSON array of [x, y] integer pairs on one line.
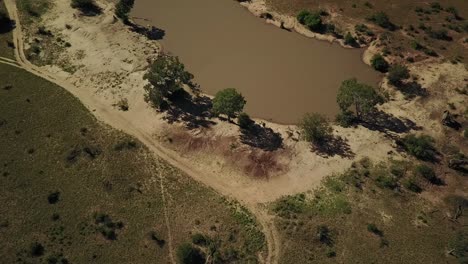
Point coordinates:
[[115, 118]]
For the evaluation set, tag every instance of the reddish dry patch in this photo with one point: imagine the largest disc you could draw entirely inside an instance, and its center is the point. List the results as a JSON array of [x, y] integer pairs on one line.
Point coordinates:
[[253, 162]]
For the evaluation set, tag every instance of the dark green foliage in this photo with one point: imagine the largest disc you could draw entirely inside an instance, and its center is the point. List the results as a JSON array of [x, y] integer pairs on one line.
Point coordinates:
[[374, 229], [290, 204], [420, 146], [441, 34], [106, 226], [187, 254], [228, 102], [411, 185], [323, 235], [36, 249], [427, 173], [311, 20], [315, 128], [244, 121], [87, 6], [362, 96], [53, 198], [397, 73], [382, 20], [345, 118], [167, 75], [123, 8], [350, 40], [379, 63]]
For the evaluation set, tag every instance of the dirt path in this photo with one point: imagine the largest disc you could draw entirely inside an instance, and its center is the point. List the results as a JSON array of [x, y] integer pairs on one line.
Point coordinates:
[[115, 118]]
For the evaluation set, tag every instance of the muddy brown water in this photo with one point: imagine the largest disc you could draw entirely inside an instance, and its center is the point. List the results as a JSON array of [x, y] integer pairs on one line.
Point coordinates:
[[281, 74]]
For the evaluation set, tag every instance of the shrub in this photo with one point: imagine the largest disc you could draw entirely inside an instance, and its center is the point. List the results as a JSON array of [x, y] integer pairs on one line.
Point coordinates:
[[345, 118], [379, 63], [244, 121], [84, 5], [123, 8], [315, 128], [311, 20], [382, 20], [420, 146], [441, 34], [397, 73], [187, 254], [323, 234], [386, 181], [459, 246], [5, 21], [228, 102], [374, 229], [53, 198], [36, 249], [350, 40], [411, 185], [465, 133], [199, 239], [427, 173]]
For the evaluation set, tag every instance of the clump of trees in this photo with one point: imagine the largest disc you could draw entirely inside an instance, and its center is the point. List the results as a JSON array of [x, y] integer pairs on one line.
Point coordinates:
[[379, 63], [422, 147], [397, 74], [361, 97], [382, 20], [313, 21], [166, 76], [123, 8], [187, 254], [315, 128], [228, 102]]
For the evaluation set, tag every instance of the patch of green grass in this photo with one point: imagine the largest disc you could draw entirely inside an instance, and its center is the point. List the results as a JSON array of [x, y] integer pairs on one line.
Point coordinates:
[[85, 192]]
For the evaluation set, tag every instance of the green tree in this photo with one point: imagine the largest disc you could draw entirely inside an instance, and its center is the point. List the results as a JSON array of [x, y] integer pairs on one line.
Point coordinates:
[[422, 147], [187, 254], [379, 63], [397, 73], [167, 75], [362, 96], [315, 128], [228, 102], [350, 40], [123, 8], [311, 20]]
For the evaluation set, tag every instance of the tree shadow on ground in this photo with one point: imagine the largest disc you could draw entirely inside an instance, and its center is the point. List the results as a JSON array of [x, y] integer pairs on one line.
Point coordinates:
[[7, 26], [412, 89], [193, 111], [261, 137], [90, 10], [332, 146], [383, 122], [152, 33]]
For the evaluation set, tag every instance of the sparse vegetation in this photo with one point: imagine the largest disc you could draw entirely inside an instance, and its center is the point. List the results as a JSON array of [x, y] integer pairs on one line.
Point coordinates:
[[315, 128]]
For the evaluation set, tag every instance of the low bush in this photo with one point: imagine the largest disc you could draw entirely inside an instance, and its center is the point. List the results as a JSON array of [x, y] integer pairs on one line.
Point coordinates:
[[345, 118], [421, 147], [379, 63], [427, 173], [382, 20], [374, 229], [313, 21], [199, 239], [411, 185], [244, 121], [397, 73], [386, 181], [86, 6], [350, 40], [315, 128], [36, 249], [53, 198]]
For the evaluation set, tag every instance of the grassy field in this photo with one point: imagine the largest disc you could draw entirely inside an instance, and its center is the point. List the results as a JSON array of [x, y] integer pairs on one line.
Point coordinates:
[[370, 215], [72, 188], [415, 18], [5, 37]]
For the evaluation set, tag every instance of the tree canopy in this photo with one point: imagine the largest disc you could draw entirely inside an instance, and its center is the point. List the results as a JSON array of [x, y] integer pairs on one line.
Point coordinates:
[[228, 102], [168, 75], [315, 128], [311, 20], [187, 254], [362, 96], [123, 8], [379, 63]]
